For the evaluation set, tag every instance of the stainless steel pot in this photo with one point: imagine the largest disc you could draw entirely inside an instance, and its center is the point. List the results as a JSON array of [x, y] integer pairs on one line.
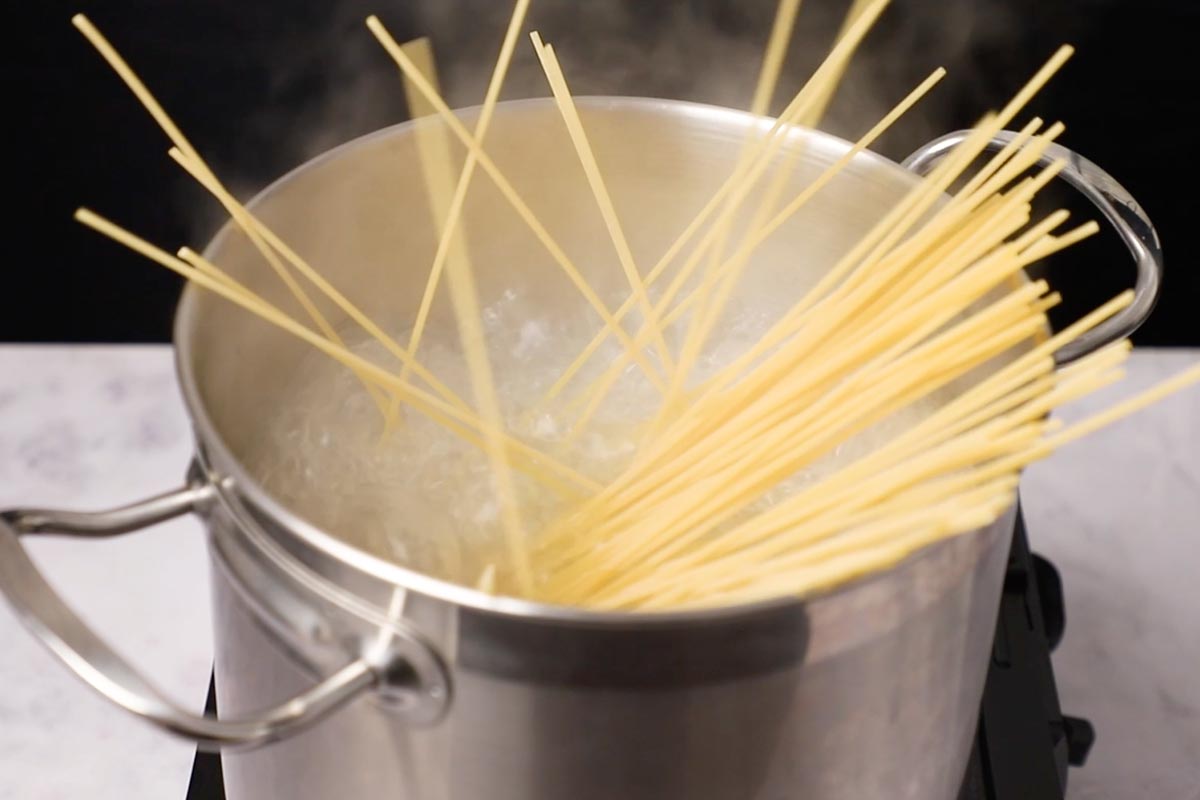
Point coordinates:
[[869, 690]]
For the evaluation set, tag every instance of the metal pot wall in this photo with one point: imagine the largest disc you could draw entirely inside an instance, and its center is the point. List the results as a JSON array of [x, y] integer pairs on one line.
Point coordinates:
[[867, 690]]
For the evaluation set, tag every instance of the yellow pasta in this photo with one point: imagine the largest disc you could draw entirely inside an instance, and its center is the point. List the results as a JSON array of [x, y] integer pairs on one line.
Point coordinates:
[[891, 406]]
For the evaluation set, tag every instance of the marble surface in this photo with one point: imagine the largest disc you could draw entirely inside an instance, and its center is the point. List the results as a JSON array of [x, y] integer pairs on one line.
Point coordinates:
[[1119, 515], [91, 427]]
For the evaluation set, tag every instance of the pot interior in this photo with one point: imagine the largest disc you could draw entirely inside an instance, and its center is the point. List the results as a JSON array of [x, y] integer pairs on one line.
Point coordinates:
[[361, 216]]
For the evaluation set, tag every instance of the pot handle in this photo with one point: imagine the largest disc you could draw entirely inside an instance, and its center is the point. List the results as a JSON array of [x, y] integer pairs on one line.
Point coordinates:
[[1117, 205], [92, 659]]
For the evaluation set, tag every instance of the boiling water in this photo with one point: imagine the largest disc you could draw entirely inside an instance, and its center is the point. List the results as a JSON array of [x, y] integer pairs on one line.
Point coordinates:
[[422, 497]]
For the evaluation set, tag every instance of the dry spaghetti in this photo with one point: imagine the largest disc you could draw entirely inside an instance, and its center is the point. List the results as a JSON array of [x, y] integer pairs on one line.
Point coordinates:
[[892, 405]]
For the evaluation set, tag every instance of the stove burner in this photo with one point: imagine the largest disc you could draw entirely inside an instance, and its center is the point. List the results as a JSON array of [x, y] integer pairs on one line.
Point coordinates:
[[1024, 742]]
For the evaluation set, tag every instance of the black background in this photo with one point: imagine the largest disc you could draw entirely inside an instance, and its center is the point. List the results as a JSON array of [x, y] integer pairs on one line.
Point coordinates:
[[261, 86]]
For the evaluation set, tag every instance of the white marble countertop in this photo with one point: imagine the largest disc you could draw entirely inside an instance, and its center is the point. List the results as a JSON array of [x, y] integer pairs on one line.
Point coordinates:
[[90, 427]]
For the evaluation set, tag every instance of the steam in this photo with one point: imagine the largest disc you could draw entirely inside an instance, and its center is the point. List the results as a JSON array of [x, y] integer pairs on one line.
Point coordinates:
[[908, 43], [606, 48], [710, 51], [334, 84]]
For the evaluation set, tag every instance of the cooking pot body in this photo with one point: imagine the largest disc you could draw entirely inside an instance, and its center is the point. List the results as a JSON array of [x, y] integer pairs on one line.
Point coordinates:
[[872, 691], [868, 690]]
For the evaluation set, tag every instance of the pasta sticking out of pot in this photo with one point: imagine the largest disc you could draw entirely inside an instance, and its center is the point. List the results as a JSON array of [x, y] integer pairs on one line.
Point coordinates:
[[730, 409]]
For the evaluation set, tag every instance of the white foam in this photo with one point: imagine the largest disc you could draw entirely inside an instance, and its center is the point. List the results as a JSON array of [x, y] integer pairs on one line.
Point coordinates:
[[425, 498]]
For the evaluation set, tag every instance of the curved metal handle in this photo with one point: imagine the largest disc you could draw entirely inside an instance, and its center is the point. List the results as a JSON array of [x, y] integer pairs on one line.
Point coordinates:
[[1117, 205], [91, 658]]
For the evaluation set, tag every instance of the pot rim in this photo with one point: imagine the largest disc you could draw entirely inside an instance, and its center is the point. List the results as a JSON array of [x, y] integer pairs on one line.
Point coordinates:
[[237, 486]]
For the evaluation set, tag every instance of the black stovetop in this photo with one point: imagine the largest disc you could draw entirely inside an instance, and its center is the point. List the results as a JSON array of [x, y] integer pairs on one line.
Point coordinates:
[[1024, 743]]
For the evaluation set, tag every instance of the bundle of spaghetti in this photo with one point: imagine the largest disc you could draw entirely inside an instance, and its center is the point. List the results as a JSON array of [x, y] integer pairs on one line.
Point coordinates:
[[882, 340], [988, 432], [891, 406]]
